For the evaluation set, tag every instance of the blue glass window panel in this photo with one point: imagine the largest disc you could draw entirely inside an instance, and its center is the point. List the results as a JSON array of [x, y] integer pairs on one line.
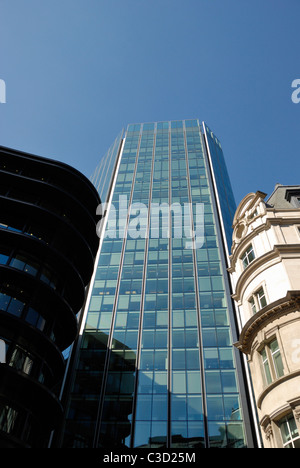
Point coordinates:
[[192, 338], [179, 433], [190, 318], [133, 128], [130, 339], [160, 407], [119, 338], [16, 263], [160, 384], [217, 435], [177, 124], [226, 358], [127, 383], [211, 358], [162, 125], [179, 382], [92, 320], [160, 360], [145, 382], [4, 301], [162, 319], [3, 259], [213, 382], [107, 304], [161, 339], [133, 320], [193, 382], [207, 318], [178, 339], [232, 407], [235, 435], [229, 384], [159, 433], [32, 316], [178, 359], [147, 360], [191, 123], [16, 307], [142, 434], [209, 337], [121, 320], [196, 434], [178, 407], [194, 407], [178, 319], [224, 337], [221, 317], [205, 283], [144, 407], [113, 383], [215, 410], [148, 339], [192, 359], [149, 320]]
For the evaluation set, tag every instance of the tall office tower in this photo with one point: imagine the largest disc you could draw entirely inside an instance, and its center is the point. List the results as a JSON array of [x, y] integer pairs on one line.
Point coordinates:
[[155, 365]]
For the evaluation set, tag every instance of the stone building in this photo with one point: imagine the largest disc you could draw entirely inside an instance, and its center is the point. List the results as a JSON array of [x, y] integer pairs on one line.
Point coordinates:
[[265, 267]]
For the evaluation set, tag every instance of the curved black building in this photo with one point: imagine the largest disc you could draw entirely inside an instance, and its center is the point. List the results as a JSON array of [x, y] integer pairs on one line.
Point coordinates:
[[48, 245]]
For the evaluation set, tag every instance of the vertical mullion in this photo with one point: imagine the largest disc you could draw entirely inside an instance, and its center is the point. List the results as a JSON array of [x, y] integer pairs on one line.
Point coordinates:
[[140, 331], [169, 428], [197, 295], [110, 338], [109, 189]]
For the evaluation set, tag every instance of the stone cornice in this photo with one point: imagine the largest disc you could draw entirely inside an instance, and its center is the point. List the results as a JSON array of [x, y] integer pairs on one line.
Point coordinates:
[[282, 220], [243, 244], [274, 384], [254, 267], [283, 210], [263, 262], [284, 306], [270, 221]]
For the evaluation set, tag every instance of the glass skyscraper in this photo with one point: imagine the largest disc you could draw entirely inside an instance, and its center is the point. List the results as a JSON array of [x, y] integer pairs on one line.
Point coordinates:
[[155, 366]]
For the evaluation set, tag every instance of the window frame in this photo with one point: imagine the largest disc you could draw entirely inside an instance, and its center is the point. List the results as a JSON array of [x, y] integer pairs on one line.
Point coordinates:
[[266, 366], [273, 353], [262, 297], [286, 420], [269, 363], [245, 256], [256, 300]]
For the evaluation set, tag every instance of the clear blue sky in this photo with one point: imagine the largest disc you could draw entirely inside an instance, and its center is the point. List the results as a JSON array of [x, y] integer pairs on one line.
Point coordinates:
[[77, 71]]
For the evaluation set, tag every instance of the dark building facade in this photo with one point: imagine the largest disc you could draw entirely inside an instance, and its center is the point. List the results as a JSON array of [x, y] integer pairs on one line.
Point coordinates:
[[48, 245], [155, 365]]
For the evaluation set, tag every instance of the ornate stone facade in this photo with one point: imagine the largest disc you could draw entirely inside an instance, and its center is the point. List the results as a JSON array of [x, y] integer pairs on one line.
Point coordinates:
[[265, 266]]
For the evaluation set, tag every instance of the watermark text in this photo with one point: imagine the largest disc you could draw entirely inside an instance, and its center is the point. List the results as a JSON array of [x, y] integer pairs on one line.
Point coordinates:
[[2, 92], [159, 221], [296, 93]]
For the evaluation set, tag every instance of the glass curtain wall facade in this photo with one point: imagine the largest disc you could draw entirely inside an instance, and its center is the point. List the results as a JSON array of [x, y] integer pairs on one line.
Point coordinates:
[[223, 189], [155, 365], [103, 174]]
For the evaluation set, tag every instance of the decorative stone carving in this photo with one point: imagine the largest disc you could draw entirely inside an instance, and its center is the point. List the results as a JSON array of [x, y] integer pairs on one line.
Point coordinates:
[[268, 432], [297, 413]]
